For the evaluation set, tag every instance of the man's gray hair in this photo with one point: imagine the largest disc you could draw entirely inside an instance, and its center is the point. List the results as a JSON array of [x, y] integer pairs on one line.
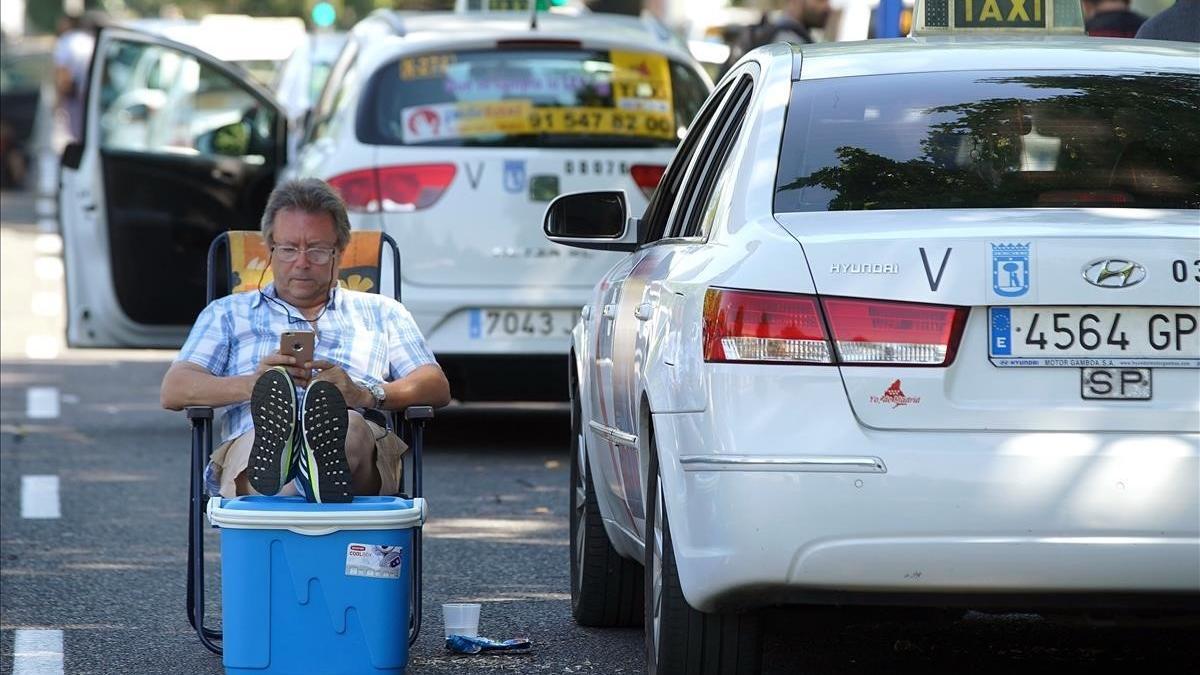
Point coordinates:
[[310, 195]]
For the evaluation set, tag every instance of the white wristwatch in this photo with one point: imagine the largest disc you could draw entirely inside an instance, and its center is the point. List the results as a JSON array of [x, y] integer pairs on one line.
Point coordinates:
[[377, 393]]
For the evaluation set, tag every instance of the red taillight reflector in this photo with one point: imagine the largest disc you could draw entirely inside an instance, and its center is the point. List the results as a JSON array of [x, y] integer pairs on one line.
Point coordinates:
[[874, 331], [647, 177], [394, 188], [765, 327], [412, 187], [359, 189]]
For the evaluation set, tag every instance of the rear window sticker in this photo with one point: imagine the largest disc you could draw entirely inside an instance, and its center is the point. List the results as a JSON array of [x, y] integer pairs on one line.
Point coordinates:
[[425, 66]]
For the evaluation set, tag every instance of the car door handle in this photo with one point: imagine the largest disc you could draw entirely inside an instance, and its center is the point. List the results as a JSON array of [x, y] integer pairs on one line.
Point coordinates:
[[608, 311], [644, 311]]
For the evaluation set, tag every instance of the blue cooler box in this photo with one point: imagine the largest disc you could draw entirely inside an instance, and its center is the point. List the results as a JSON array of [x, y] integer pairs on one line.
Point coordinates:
[[316, 588]]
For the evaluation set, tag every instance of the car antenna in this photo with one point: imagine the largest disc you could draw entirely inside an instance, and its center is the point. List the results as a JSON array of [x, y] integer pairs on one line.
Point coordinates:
[[533, 14]]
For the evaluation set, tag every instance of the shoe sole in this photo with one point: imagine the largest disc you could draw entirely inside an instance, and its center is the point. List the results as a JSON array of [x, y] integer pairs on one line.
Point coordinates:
[[323, 426], [273, 411]]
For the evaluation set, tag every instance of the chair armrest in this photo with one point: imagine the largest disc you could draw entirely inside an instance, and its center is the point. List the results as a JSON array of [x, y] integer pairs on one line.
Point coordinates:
[[199, 412], [418, 412]]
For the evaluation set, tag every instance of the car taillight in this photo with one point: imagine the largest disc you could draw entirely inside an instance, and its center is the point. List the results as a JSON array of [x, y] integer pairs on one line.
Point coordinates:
[[755, 326], [880, 332], [394, 188], [647, 177], [359, 189]]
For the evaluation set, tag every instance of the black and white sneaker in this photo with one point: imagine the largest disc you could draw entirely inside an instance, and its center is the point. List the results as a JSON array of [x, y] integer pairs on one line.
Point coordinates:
[[273, 410], [323, 426]]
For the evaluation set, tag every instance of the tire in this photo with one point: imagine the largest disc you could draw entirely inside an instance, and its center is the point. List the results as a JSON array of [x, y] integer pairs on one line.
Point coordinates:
[[679, 639], [606, 588]]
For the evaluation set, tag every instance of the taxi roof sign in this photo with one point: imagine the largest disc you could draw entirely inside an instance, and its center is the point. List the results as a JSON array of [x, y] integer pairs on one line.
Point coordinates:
[[958, 17]]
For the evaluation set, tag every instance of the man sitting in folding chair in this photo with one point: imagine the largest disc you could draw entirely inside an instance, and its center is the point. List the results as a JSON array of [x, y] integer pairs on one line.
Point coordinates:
[[289, 428]]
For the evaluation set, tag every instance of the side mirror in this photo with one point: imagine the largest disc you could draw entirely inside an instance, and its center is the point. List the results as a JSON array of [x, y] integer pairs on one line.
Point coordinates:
[[596, 220], [231, 140]]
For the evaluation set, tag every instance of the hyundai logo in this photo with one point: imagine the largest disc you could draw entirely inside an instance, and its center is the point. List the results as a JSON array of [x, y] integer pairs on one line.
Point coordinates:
[[1113, 273]]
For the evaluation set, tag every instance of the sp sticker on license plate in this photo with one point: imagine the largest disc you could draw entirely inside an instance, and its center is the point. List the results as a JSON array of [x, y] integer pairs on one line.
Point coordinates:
[[1129, 384]]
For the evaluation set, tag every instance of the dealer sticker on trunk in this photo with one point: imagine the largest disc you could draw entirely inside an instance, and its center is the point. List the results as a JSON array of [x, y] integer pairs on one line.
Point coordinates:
[[373, 560]]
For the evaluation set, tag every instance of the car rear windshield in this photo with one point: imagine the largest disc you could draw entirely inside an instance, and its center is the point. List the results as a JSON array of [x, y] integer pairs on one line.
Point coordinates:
[[992, 140], [531, 97]]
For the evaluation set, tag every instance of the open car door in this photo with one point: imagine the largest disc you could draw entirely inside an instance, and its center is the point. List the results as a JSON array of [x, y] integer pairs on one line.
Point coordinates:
[[178, 147]]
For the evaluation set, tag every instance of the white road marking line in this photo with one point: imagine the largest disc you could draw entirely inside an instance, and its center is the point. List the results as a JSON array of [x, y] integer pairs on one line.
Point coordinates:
[[48, 244], [41, 403], [47, 303], [37, 652], [42, 346], [48, 268], [39, 497]]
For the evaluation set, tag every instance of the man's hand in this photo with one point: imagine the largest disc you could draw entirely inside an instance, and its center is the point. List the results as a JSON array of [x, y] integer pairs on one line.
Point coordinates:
[[300, 375], [356, 396]]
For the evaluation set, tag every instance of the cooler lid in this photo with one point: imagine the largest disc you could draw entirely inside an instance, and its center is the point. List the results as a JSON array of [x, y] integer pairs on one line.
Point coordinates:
[[297, 515]]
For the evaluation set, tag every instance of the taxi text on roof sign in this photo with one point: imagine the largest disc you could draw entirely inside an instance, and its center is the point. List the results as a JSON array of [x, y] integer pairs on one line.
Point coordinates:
[[950, 17]]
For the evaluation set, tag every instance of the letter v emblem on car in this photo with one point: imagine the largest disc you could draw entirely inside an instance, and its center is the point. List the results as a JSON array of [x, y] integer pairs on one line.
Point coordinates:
[[934, 282], [473, 177]]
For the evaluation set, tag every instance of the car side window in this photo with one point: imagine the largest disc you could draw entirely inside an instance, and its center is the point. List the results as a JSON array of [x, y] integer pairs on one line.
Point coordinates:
[[663, 201], [161, 100], [692, 190], [331, 95], [702, 210]]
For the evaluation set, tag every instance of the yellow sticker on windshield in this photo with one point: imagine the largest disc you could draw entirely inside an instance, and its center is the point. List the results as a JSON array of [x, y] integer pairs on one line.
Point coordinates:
[[429, 65], [641, 83], [608, 121], [443, 121]]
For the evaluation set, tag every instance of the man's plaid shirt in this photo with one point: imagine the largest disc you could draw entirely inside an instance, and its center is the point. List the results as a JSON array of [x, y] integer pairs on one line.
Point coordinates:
[[373, 337]]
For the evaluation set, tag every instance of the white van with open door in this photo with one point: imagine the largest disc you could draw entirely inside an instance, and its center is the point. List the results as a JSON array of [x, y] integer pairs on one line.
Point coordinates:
[[177, 148]]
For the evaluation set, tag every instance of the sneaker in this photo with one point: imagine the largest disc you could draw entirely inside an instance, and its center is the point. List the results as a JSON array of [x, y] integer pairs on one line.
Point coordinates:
[[273, 410], [323, 426]]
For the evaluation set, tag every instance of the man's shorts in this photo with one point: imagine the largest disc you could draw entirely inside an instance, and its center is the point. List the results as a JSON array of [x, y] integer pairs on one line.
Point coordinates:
[[231, 457]]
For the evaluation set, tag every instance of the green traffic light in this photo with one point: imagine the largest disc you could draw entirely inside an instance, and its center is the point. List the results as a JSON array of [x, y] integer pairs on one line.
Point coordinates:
[[323, 14]]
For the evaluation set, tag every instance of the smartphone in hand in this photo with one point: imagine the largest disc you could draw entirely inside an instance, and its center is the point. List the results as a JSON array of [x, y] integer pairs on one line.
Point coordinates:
[[299, 344]]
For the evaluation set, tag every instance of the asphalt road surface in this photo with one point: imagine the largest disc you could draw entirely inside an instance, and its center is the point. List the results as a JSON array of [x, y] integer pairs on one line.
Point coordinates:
[[93, 581]]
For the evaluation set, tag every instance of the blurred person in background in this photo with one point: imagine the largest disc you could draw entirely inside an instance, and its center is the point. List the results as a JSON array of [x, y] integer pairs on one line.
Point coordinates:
[[792, 23], [1110, 18], [72, 56], [1180, 21]]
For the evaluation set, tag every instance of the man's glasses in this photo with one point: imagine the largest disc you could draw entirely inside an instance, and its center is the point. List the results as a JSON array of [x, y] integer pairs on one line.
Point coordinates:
[[316, 256]]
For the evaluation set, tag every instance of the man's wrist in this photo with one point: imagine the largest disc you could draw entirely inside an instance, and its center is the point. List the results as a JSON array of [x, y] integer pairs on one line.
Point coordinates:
[[369, 397]]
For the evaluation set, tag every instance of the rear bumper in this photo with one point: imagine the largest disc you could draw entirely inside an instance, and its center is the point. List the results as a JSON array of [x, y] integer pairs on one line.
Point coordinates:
[[506, 377], [769, 505], [442, 314]]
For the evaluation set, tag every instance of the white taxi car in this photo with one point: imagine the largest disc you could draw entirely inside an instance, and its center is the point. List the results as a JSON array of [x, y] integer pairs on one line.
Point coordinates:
[[907, 322], [450, 132]]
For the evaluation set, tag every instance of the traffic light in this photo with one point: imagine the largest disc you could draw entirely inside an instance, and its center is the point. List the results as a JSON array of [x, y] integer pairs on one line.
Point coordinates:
[[323, 14]]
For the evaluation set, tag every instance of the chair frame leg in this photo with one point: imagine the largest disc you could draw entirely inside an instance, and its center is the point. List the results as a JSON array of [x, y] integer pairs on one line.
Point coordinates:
[[196, 604]]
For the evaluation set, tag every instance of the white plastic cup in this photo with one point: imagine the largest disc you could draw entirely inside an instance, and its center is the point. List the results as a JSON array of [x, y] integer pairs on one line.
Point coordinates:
[[461, 618]]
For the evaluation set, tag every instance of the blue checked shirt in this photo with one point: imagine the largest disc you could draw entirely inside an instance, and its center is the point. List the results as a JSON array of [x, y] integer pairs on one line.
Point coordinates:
[[371, 336]]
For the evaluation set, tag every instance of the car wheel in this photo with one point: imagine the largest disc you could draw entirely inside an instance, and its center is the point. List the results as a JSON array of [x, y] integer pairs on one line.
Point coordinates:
[[606, 589], [679, 639]]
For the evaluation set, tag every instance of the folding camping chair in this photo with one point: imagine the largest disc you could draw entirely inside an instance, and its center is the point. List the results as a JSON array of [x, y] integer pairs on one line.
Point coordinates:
[[237, 261]]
